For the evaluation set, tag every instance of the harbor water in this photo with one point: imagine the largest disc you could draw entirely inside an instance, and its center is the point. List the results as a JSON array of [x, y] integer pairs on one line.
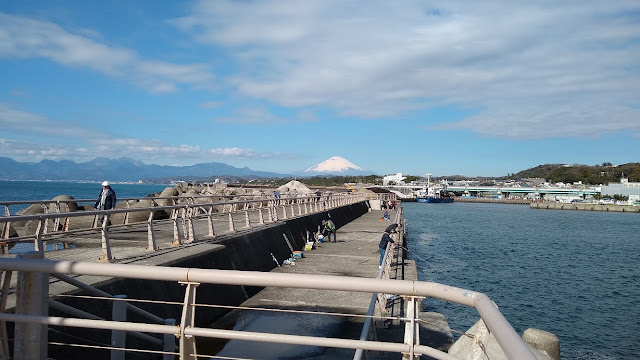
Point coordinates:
[[572, 273], [47, 190]]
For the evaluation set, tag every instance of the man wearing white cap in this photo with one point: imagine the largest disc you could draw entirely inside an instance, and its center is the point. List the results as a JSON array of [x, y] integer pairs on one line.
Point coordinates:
[[107, 198]]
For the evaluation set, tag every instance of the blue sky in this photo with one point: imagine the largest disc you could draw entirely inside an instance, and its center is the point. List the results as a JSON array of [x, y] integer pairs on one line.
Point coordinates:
[[446, 87]]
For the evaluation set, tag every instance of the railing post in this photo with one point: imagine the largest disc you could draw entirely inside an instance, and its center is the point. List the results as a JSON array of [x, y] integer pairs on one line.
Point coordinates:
[[284, 212], [169, 341], [177, 241], [56, 222], [293, 211], [38, 244], [247, 220], [260, 217], [30, 340], [4, 337], [411, 329], [212, 231], [125, 221], [232, 227], [118, 337], [6, 227], [191, 231], [188, 342], [106, 246], [151, 244]]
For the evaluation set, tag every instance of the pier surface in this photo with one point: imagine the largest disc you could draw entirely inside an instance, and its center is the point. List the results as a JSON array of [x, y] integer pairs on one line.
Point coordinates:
[[355, 254], [246, 248]]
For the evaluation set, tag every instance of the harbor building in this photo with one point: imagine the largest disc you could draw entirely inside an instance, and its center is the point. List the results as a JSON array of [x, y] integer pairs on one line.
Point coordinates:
[[624, 187]]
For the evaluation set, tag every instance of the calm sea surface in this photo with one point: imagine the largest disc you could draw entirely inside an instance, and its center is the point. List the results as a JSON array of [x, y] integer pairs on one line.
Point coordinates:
[[46, 190], [572, 273]]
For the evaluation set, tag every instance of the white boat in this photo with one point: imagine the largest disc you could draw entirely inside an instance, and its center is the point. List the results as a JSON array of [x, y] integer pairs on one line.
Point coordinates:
[[434, 194]]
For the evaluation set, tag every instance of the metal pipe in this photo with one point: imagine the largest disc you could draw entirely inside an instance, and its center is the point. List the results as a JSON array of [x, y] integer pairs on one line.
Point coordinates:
[[225, 334], [297, 339], [90, 324], [92, 290], [251, 278], [85, 315], [508, 339], [364, 334]]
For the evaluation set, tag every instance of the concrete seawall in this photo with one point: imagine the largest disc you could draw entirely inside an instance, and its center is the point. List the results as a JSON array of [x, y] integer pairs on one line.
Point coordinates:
[[493, 201], [584, 207]]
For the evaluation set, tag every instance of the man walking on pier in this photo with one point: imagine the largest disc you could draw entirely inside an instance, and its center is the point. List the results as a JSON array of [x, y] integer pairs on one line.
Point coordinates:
[[106, 199]]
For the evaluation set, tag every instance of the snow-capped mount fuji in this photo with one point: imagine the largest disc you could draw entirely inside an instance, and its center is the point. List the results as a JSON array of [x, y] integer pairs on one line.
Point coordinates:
[[335, 165]]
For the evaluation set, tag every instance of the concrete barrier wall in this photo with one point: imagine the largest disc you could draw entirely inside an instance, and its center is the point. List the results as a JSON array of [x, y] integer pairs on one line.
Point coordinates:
[[249, 251], [585, 207]]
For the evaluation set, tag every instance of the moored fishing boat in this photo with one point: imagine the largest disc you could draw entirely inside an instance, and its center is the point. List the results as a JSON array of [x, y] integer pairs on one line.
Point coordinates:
[[435, 194]]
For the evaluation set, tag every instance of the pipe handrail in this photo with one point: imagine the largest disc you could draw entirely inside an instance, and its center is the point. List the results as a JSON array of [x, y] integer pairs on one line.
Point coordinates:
[[43, 216], [178, 197], [513, 346]]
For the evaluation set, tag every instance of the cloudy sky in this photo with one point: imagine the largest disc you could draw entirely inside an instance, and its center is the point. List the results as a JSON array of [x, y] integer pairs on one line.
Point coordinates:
[[446, 87]]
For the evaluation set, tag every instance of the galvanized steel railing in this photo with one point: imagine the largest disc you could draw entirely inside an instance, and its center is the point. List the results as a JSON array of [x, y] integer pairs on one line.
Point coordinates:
[[513, 346]]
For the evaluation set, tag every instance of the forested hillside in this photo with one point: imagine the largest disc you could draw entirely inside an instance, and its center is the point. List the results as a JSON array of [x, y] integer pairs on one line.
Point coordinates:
[[593, 175]]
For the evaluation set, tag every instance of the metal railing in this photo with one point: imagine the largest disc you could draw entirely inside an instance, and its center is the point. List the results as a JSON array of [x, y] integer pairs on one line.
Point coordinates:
[[37, 321], [181, 217]]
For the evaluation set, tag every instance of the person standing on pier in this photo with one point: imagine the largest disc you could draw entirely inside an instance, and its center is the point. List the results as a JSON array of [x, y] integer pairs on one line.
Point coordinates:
[[106, 199], [329, 228], [386, 239]]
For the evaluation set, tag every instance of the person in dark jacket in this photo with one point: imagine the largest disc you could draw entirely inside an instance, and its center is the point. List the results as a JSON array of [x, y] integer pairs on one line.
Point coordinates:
[[106, 199], [392, 228], [386, 239]]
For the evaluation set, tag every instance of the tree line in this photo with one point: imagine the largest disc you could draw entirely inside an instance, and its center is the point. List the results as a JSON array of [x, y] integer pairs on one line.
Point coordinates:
[[592, 175]]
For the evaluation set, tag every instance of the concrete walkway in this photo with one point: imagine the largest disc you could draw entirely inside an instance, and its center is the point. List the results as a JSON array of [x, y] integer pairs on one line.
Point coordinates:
[[355, 254]]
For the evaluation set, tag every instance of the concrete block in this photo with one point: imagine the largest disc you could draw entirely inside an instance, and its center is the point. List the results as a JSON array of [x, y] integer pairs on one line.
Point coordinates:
[[544, 341], [482, 345]]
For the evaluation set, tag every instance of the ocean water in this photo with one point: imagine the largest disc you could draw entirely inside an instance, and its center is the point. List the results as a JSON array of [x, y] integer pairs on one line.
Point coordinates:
[[571, 273], [575, 274], [47, 190]]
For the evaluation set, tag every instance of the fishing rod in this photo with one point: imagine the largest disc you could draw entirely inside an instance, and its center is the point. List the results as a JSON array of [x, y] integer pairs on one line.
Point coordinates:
[[416, 255]]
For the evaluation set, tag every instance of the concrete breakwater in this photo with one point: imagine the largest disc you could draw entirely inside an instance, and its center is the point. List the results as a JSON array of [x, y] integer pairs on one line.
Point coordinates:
[[492, 200], [548, 205], [251, 249], [182, 193], [354, 255]]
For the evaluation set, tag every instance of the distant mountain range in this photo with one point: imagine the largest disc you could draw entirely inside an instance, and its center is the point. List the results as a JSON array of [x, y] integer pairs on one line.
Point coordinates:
[[123, 169]]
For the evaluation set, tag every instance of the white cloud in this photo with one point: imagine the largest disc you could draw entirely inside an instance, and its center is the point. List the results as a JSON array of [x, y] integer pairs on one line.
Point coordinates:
[[253, 115], [262, 115], [21, 37], [29, 123], [150, 151], [85, 144], [247, 154], [526, 65]]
